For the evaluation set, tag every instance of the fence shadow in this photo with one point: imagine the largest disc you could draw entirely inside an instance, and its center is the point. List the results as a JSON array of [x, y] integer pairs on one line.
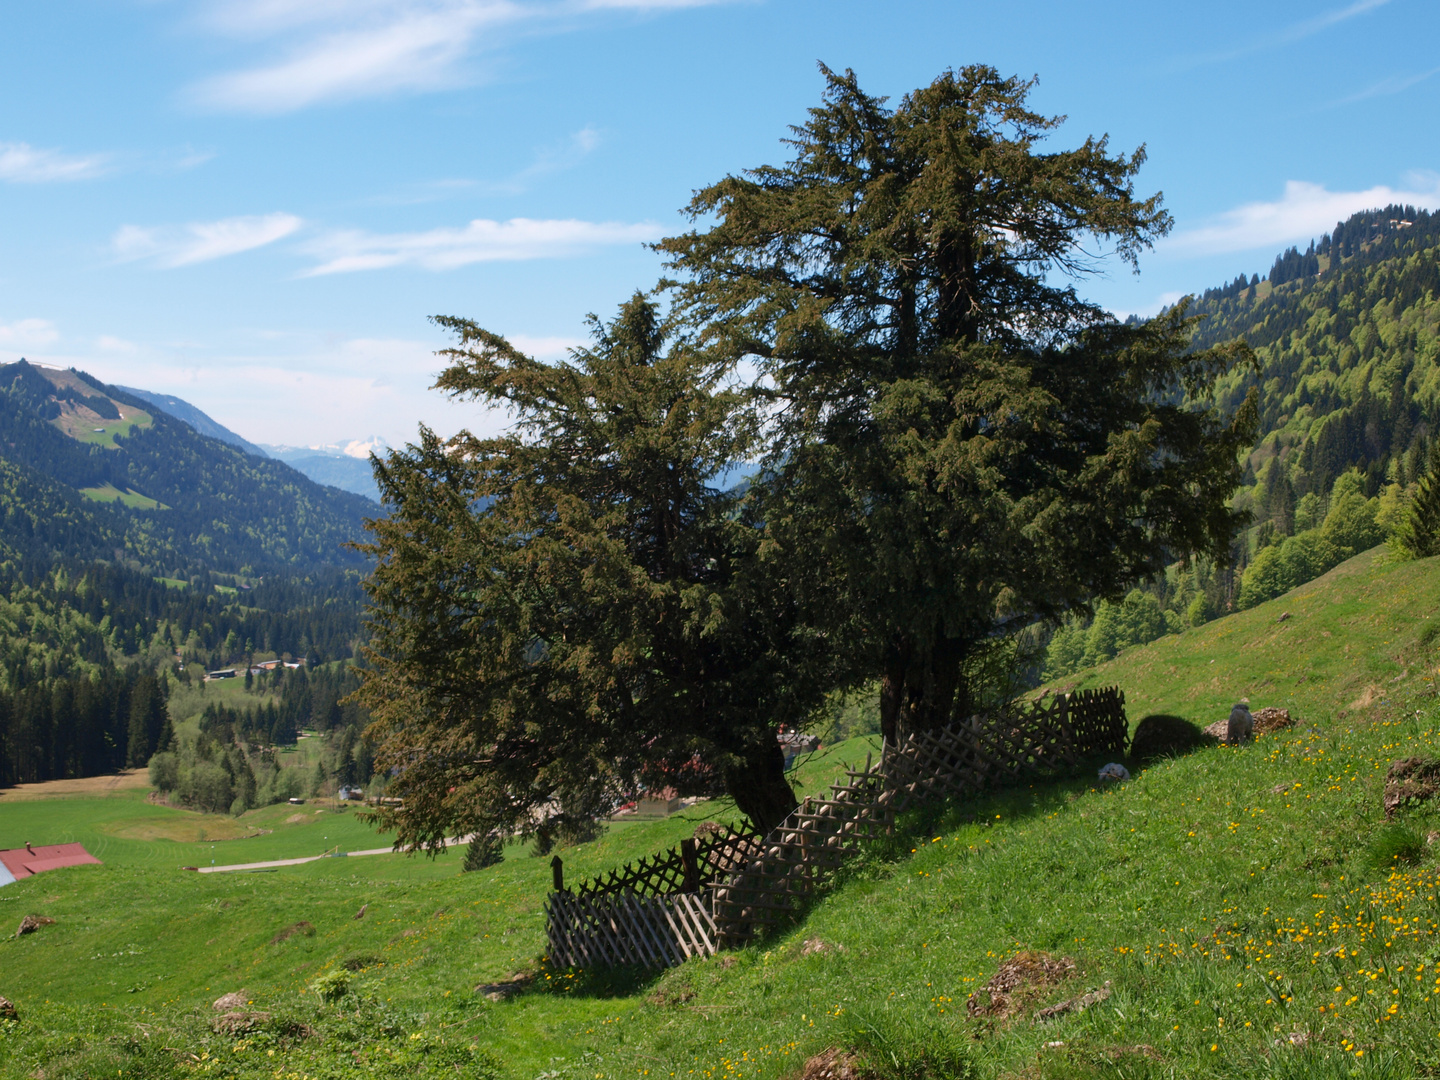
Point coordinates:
[[724, 891]]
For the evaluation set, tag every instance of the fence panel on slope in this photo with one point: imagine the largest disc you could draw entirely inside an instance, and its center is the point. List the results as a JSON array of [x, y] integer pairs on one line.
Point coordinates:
[[655, 912]]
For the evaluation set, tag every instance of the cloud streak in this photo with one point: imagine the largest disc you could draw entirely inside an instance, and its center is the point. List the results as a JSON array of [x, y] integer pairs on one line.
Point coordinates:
[[333, 50], [1290, 34], [1396, 84], [518, 239], [175, 246], [1305, 210], [418, 48], [22, 163]]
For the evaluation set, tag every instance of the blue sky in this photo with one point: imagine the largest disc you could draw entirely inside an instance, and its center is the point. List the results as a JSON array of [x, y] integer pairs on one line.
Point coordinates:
[[255, 204]]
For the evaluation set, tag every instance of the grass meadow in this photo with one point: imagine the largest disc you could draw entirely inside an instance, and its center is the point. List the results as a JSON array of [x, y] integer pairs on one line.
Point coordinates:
[[1233, 912]]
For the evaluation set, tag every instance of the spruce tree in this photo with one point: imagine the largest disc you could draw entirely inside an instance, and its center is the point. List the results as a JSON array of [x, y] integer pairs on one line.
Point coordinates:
[[562, 610], [1419, 534], [484, 849]]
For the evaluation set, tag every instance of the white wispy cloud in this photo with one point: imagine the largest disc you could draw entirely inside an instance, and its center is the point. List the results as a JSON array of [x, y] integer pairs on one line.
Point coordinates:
[[25, 333], [1324, 21], [184, 245], [416, 48], [24, 164], [1396, 84], [333, 50], [479, 241], [1304, 211], [1287, 35]]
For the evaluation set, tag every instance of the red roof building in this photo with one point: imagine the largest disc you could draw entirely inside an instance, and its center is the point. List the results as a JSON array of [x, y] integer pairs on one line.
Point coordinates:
[[37, 858]]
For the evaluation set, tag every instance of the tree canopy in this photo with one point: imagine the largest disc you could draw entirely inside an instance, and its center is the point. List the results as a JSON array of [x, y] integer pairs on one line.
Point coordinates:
[[953, 446], [576, 607], [963, 443]]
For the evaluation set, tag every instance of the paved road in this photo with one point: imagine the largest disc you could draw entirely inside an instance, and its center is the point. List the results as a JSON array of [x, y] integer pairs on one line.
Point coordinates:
[[274, 863]]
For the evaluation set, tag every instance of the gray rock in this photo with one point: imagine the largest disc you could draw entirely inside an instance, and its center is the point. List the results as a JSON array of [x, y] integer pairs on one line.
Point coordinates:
[[1241, 727]]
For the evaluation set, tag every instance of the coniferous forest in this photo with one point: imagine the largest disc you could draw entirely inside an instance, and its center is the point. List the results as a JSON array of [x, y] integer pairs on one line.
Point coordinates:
[[1346, 336], [107, 608]]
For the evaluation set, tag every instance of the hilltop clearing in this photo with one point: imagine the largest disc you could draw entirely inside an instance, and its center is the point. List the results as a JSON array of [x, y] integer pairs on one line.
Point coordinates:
[[1235, 912]]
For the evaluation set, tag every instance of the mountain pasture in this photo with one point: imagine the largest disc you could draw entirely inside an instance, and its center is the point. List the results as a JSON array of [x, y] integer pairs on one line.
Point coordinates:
[[1224, 911]]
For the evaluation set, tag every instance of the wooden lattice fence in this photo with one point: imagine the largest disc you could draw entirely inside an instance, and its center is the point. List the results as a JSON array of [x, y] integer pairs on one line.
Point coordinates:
[[657, 912]]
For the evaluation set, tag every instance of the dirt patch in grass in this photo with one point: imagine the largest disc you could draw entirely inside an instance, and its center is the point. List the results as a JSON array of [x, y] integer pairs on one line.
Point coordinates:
[[1075, 1004], [833, 1064], [299, 929], [1270, 720], [1409, 782], [88, 787], [31, 923], [1017, 983]]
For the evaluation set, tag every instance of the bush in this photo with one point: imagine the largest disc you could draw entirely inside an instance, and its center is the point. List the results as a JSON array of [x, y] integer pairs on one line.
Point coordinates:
[[1394, 846], [165, 772], [483, 851], [1160, 735], [333, 985]]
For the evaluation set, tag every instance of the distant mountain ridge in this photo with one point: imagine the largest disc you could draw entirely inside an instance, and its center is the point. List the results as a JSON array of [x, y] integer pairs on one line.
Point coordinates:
[[342, 465], [346, 466], [113, 474], [204, 424]]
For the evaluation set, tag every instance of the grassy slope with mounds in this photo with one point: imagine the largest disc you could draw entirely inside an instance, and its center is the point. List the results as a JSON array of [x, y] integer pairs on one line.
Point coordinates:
[[1351, 644], [1228, 897]]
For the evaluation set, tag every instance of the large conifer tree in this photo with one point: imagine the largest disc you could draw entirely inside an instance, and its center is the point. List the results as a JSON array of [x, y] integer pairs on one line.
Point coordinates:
[[561, 610], [961, 444], [1418, 536]]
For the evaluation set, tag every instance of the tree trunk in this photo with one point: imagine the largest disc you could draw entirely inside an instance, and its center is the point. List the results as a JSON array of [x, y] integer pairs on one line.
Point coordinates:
[[757, 784], [892, 690], [921, 687]]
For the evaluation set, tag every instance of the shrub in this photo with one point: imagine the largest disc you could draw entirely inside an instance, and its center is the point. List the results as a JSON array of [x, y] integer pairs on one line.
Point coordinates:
[[333, 985], [1160, 735], [1396, 845], [483, 851], [165, 772]]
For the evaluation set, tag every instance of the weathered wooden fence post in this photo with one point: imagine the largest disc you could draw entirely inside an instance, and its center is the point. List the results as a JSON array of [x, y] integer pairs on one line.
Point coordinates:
[[557, 871], [691, 864]]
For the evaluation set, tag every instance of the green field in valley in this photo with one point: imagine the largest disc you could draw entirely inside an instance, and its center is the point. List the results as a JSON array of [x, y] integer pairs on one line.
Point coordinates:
[[1240, 907]]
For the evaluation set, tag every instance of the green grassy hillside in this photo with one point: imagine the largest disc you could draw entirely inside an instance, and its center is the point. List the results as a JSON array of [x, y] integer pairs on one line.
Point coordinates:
[[1361, 639], [1242, 906]]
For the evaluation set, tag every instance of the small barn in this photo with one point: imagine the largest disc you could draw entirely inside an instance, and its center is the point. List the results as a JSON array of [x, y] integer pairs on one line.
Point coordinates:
[[37, 858]]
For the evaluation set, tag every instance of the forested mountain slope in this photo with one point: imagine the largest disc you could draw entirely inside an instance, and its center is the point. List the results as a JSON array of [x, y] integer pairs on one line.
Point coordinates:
[[177, 500], [1348, 339], [200, 421]]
